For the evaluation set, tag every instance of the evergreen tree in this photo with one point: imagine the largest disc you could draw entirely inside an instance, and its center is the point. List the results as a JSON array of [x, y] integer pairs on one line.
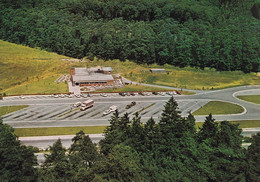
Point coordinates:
[[83, 151], [16, 161], [253, 159], [209, 130], [117, 132], [56, 166]]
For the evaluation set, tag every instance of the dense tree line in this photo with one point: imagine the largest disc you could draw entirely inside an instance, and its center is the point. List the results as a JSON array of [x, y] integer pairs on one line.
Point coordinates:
[[170, 150], [200, 33]]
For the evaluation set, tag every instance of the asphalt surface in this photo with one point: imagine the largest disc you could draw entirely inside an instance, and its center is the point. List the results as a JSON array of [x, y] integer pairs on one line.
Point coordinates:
[[47, 111]]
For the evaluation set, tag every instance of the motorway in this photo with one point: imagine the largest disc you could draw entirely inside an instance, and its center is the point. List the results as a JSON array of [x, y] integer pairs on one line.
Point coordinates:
[[47, 111]]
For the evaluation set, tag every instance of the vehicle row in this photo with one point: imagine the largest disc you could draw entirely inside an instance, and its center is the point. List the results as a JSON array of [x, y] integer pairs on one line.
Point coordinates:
[[110, 94]]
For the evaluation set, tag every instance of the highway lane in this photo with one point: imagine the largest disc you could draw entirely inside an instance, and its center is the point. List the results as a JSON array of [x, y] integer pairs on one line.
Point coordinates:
[[43, 142], [46, 111]]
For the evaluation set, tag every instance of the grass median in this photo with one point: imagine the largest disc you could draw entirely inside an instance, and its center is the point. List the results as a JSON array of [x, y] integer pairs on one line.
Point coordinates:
[[250, 98], [242, 123], [27, 132], [219, 108], [8, 109]]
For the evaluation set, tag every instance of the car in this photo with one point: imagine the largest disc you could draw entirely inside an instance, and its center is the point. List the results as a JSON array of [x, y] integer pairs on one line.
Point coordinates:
[[62, 95], [178, 92], [22, 97], [128, 94], [128, 106], [56, 96], [122, 94], [111, 109], [141, 93], [77, 95], [70, 96], [77, 104], [132, 93], [103, 95], [85, 95], [162, 93], [155, 93]]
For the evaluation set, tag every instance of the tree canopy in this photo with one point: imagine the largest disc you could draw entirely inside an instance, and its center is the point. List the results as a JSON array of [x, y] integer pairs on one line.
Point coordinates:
[[217, 34]]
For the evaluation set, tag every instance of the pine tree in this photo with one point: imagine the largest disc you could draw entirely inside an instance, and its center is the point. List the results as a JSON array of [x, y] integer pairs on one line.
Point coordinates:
[[83, 151], [16, 160], [253, 159], [209, 130], [116, 132]]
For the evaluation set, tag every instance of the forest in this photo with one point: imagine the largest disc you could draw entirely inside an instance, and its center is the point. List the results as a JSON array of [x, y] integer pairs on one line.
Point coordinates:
[[170, 150], [219, 34]]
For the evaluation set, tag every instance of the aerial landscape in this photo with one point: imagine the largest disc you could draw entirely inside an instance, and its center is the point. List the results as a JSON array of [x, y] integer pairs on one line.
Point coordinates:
[[129, 90]]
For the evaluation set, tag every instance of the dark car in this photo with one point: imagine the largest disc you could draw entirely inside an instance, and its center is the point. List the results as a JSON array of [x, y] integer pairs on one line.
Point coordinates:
[[128, 106], [154, 93], [122, 94]]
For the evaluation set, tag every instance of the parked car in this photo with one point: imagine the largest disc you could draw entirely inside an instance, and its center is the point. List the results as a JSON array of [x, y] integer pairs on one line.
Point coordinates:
[[141, 93], [103, 95], [132, 93], [128, 106], [77, 104], [122, 94], [111, 109], [155, 93]]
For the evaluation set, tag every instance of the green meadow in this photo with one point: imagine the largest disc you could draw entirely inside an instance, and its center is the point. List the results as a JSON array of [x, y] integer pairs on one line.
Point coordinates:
[[25, 70], [250, 98], [218, 107]]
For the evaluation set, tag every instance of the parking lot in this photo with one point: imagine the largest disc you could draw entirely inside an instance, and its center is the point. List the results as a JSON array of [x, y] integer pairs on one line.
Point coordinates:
[[53, 110]]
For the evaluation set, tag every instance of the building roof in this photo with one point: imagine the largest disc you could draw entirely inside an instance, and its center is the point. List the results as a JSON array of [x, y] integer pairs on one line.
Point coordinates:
[[157, 70], [96, 77], [87, 71]]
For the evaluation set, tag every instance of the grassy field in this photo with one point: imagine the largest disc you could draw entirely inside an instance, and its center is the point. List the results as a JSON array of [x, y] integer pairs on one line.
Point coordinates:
[[24, 70], [8, 109], [218, 107], [22, 132], [26, 132], [250, 98], [242, 123]]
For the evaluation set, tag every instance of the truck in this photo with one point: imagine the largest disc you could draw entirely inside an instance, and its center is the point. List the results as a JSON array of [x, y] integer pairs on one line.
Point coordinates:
[[86, 104]]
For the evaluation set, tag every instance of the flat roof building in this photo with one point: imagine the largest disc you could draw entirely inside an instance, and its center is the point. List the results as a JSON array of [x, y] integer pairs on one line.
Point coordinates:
[[92, 76], [157, 70]]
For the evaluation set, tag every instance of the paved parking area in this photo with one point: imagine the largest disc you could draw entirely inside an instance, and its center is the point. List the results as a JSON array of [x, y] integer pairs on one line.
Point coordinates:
[[52, 111], [58, 111]]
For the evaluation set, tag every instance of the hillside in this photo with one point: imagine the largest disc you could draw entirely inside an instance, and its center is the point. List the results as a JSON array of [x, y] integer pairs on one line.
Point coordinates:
[[206, 33], [26, 70], [21, 67]]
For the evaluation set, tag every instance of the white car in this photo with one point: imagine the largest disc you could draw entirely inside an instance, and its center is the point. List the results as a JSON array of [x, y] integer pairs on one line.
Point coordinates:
[[22, 97], [111, 109], [103, 95], [77, 104]]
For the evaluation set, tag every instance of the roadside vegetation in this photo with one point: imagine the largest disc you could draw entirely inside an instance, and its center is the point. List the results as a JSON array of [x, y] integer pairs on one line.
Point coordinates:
[[8, 109], [218, 107], [51, 131], [170, 150], [250, 98], [242, 123], [26, 70]]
